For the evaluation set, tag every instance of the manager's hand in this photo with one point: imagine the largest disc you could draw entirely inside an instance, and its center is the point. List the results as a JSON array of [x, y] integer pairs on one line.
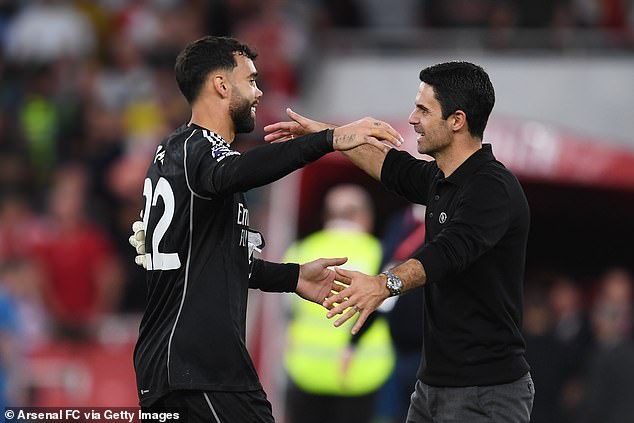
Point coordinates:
[[363, 295]]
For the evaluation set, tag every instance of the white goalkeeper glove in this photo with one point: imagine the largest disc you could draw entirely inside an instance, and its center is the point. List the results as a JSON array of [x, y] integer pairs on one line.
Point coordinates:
[[137, 240]]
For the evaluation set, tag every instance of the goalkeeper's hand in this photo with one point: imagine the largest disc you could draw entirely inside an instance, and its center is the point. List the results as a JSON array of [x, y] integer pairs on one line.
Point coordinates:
[[137, 240]]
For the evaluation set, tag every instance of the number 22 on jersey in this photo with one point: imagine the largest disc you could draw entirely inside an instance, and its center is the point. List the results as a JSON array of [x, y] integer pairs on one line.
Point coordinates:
[[157, 260]]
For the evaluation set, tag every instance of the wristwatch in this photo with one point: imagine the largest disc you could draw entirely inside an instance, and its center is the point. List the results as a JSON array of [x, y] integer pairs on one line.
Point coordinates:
[[394, 284]]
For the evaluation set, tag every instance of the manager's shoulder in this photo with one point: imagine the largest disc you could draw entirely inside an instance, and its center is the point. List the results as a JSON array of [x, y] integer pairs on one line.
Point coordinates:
[[498, 170], [504, 177], [494, 173]]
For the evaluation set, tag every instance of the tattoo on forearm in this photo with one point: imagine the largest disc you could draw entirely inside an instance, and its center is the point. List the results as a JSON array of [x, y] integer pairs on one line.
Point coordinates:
[[345, 139]]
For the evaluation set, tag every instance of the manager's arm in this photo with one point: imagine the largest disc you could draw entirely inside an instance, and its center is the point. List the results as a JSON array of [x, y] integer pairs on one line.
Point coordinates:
[[367, 158]]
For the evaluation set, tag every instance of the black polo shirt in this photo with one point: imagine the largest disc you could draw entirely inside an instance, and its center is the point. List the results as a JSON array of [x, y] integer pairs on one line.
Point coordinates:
[[474, 256]]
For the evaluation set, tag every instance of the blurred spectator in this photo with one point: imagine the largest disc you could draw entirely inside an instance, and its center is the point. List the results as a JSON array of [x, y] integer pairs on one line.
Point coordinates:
[[404, 235], [572, 333], [181, 22], [15, 172], [587, 12], [139, 23], [40, 120], [20, 229], [612, 310], [22, 281], [281, 45], [8, 9], [10, 363], [47, 30], [610, 382], [545, 354], [333, 379], [124, 78], [502, 24], [571, 325], [614, 14], [608, 396], [81, 274]]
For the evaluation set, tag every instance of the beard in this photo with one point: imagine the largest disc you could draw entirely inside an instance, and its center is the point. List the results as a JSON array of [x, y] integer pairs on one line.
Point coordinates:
[[240, 111]]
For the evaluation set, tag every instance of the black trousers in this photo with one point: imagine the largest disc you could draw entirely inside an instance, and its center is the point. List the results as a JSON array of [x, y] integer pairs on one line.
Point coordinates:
[[303, 407], [218, 407]]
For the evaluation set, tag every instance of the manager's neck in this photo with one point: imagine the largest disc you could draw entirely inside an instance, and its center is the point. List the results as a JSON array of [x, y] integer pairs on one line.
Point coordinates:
[[450, 158]]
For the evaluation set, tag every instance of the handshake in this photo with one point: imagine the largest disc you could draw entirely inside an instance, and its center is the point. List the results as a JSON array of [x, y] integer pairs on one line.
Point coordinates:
[[342, 292]]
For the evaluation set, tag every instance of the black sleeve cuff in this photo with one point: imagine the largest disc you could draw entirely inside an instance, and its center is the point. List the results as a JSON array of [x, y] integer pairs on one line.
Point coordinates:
[[330, 138], [274, 277], [312, 146]]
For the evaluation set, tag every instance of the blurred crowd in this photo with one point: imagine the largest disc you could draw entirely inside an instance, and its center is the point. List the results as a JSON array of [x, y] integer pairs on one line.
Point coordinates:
[[616, 16], [86, 93], [580, 346]]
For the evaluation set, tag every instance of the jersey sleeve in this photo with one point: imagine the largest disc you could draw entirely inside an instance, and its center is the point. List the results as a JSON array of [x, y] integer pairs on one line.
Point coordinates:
[[274, 277], [215, 169], [407, 176]]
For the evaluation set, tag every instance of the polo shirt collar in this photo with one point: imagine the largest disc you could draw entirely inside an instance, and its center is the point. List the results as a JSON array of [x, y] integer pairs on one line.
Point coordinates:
[[471, 165]]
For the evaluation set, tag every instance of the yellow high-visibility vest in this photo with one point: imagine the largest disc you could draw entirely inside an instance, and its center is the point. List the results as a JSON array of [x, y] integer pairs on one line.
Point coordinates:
[[315, 346]]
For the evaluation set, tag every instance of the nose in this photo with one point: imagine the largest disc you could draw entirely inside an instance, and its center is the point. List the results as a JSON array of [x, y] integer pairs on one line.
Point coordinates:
[[258, 93], [413, 119]]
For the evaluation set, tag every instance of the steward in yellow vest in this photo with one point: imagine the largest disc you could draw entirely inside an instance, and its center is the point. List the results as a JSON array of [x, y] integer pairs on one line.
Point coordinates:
[[316, 349]]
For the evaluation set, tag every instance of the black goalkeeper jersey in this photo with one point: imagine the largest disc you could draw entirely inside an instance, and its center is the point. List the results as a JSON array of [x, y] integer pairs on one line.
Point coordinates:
[[196, 220]]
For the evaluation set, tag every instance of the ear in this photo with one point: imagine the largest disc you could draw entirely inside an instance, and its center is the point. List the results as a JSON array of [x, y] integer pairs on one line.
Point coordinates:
[[221, 85], [458, 121]]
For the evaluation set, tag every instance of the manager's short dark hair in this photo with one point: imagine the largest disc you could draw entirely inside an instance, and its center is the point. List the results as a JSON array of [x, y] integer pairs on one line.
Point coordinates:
[[203, 56], [462, 86]]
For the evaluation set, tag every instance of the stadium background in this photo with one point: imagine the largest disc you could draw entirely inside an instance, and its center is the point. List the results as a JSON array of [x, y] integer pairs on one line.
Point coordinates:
[[87, 92]]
